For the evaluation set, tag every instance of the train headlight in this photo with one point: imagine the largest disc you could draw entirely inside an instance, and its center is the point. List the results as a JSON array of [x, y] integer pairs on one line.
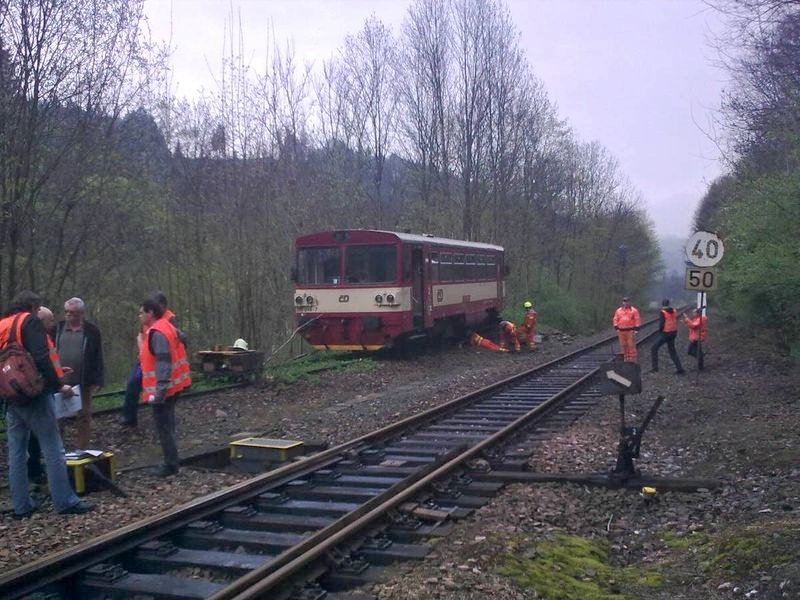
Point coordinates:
[[379, 298], [390, 298], [309, 300], [298, 300]]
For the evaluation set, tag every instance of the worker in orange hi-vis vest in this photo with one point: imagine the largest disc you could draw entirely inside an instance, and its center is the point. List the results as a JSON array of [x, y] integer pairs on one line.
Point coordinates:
[[527, 329], [627, 322], [668, 331], [698, 327], [508, 335]]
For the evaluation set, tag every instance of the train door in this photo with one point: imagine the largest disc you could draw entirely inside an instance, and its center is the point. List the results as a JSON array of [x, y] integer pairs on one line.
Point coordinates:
[[417, 287]]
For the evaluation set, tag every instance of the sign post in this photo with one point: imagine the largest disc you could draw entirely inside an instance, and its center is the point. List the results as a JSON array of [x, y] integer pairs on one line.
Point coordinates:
[[704, 250]]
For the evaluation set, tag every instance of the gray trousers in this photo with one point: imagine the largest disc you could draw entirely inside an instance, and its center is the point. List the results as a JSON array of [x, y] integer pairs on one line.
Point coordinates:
[[164, 419]]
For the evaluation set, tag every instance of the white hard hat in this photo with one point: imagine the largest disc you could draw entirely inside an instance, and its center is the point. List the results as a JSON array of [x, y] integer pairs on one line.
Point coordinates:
[[240, 344]]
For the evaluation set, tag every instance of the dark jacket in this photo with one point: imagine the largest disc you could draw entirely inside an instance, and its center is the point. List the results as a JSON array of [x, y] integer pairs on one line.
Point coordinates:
[[93, 370]]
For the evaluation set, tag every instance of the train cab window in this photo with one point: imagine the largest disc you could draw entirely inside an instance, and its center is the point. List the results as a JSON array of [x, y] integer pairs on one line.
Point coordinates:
[[376, 263], [317, 266]]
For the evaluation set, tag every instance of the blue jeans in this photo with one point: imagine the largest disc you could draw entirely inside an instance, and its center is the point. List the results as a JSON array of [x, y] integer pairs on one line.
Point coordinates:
[[36, 416]]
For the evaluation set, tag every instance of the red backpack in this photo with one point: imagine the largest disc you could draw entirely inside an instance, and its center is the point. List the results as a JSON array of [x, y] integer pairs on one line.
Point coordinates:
[[20, 380]]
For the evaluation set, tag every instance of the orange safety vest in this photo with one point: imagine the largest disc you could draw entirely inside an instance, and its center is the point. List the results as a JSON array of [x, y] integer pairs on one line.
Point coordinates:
[[55, 358], [697, 328], [5, 334], [528, 321], [5, 328], [670, 320], [626, 318], [180, 377]]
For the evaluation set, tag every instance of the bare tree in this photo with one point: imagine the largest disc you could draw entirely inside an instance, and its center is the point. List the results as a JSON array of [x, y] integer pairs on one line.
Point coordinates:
[[70, 69], [427, 105], [370, 61]]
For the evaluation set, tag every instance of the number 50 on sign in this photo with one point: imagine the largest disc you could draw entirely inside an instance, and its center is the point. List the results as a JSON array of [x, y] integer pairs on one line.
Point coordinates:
[[700, 280]]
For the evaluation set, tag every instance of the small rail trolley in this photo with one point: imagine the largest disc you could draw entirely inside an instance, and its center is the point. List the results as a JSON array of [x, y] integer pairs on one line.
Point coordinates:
[[359, 289]]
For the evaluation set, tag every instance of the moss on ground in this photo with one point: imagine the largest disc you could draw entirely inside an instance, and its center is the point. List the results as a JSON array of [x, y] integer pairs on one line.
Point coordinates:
[[741, 552], [569, 566]]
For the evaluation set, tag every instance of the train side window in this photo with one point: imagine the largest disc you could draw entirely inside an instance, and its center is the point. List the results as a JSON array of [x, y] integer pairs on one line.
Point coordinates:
[[459, 267], [471, 271], [435, 266], [446, 267], [491, 267]]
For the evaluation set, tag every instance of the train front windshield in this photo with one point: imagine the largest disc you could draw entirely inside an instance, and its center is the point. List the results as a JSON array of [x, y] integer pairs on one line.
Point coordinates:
[[372, 263], [318, 266]]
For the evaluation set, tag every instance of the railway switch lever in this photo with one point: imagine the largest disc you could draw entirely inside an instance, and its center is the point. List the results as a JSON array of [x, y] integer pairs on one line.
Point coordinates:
[[630, 442]]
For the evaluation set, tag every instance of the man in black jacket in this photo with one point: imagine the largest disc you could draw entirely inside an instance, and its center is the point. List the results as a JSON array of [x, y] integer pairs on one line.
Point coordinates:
[[36, 416], [668, 331], [80, 347]]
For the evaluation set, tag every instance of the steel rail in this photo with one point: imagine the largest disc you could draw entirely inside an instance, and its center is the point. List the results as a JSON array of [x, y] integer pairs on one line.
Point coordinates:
[[54, 568], [265, 579]]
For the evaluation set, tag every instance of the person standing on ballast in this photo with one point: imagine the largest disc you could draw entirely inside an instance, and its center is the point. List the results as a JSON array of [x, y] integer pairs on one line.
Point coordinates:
[[668, 331]]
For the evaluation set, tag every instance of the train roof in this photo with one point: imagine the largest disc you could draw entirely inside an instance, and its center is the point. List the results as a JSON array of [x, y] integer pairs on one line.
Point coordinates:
[[372, 235]]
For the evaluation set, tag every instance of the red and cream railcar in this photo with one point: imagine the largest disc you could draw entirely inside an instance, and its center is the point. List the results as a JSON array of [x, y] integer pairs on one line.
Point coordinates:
[[359, 289]]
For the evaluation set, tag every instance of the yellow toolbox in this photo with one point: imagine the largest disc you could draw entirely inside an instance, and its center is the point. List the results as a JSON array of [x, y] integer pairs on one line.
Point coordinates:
[[254, 454], [77, 469]]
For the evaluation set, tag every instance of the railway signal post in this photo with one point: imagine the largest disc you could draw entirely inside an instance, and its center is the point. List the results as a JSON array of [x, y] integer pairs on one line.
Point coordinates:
[[704, 251]]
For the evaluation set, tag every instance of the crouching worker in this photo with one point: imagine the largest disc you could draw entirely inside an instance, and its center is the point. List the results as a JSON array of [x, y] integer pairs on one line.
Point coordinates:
[[508, 335], [165, 373]]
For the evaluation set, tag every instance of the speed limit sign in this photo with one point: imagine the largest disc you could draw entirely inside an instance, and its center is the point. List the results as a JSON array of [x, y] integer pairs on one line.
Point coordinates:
[[704, 249], [700, 280]]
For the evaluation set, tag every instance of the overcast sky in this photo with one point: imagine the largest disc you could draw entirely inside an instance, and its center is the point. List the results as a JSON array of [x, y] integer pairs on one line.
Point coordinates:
[[638, 76]]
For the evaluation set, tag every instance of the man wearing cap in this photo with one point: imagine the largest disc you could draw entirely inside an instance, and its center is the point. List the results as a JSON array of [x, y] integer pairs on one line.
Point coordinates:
[[668, 331], [627, 322]]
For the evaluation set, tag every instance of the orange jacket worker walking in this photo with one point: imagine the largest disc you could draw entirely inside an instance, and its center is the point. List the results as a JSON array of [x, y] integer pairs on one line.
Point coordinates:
[[627, 322]]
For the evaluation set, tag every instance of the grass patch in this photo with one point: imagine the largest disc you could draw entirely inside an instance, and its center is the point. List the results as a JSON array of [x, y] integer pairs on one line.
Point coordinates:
[[695, 541], [305, 367], [744, 552], [569, 566]]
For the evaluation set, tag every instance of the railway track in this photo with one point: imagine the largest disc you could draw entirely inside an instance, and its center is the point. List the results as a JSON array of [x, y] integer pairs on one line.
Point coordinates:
[[331, 520]]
